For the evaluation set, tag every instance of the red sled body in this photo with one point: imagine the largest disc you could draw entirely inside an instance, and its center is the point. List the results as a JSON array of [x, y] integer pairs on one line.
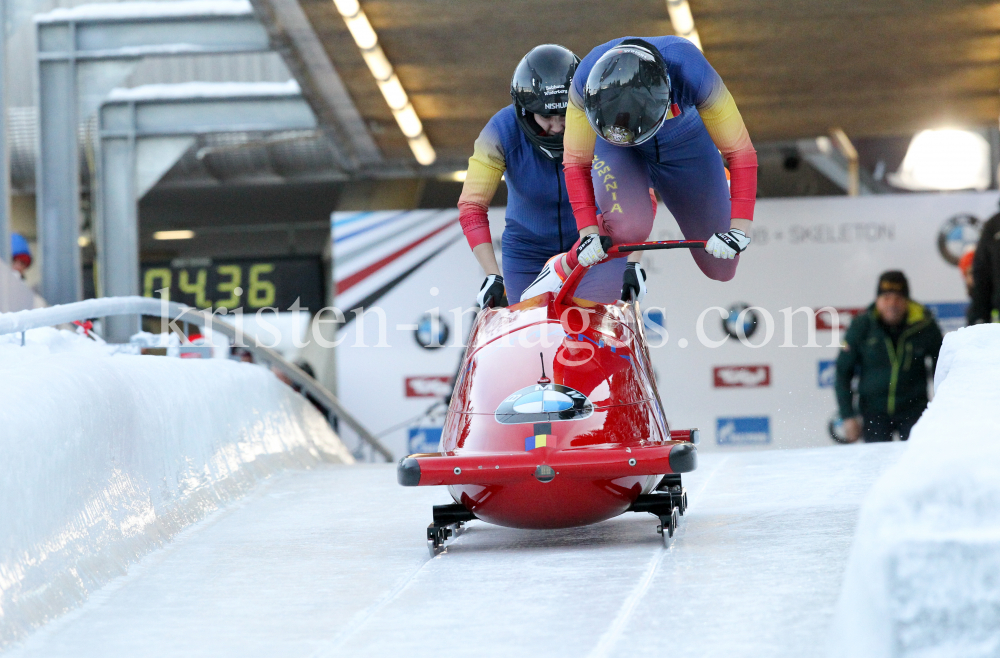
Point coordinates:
[[555, 420]]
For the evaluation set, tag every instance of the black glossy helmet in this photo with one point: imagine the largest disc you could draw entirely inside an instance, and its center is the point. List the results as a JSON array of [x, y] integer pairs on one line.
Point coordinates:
[[541, 86], [627, 94]]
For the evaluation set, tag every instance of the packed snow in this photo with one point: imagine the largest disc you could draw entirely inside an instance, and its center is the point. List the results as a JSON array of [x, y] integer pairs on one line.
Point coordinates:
[[924, 573], [104, 456], [185, 90], [125, 10]]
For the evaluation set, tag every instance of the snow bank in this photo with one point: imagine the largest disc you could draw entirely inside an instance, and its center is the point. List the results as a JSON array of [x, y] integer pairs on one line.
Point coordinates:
[[126, 10], [104, 457], [186, 90], [923, 577]]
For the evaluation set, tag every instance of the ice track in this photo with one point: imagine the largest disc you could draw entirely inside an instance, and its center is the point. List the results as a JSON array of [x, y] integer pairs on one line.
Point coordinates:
[[333, 562]]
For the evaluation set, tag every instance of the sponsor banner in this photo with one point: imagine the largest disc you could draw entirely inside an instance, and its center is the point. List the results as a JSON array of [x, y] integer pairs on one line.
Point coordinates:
[[950, 316], [824, 319], [827, 374], [430, 386], [423, 439], [741, 376], [751, 431]]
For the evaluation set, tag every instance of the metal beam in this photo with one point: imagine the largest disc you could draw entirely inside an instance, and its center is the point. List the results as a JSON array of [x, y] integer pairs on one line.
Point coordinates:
[[305, 56], [143, 131], [829, 161], [82, 54]]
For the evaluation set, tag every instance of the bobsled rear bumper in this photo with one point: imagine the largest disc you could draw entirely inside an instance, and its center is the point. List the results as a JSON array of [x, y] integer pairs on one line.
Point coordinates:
[[546, 463]]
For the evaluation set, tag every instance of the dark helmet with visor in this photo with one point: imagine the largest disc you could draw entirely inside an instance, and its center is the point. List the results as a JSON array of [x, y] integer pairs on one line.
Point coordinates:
[[627, 94], [541, 86]]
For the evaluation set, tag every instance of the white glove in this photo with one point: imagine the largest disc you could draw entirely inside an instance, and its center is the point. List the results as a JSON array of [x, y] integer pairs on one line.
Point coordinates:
[[593, 249], [728, 245]]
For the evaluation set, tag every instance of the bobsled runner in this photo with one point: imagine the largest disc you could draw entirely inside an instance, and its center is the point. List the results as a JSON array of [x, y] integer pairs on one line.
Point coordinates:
[[555, 420]]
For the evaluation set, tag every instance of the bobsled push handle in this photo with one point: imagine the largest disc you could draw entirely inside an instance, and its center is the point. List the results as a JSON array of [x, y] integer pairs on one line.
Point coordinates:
[[618, 251], [653, 246]]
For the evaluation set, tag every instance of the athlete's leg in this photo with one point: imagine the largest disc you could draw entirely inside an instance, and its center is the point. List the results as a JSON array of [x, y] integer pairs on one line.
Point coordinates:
[[691, 179], [621, 186], [518, 273]]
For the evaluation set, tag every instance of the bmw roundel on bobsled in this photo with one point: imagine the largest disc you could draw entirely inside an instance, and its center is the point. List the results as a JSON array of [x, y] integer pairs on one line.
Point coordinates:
[[555, 420]]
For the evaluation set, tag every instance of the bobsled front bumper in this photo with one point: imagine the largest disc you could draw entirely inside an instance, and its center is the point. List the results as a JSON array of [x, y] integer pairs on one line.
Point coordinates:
[[544, 464]]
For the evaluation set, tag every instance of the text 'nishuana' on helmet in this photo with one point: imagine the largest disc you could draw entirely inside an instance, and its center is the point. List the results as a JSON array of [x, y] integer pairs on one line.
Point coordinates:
[[627, 94], [540, 86]]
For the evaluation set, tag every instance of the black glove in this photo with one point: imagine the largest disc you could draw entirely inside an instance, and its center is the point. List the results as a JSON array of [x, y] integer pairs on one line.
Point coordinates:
[[634, 283], [593, 250], [492, 292]]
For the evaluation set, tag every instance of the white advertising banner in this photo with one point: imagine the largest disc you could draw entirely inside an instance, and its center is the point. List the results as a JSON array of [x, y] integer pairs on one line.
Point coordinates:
[[773, 389]]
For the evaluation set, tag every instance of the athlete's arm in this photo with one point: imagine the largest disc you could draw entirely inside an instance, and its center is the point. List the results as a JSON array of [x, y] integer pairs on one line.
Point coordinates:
[[486, 166], [578, 155], [725, 126]]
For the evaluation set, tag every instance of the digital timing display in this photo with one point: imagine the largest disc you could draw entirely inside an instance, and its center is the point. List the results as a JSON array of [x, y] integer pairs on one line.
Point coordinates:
[[250, 284]]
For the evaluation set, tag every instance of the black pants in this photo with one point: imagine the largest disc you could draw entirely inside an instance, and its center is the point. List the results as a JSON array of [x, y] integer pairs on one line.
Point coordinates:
[[879, 427]]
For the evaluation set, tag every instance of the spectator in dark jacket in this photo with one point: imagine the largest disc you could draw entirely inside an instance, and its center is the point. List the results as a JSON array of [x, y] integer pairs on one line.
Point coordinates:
[[889, 345], [985, 306]]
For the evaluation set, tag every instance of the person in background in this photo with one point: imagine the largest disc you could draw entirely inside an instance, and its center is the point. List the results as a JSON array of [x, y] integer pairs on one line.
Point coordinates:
[[965, 267], [985, 305], [241, 354], [20, 254], [889, 346]]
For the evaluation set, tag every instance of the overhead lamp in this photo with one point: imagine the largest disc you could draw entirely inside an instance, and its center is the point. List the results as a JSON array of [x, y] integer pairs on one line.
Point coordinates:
[[682, 21], [173, 235], [422, 149], [946, 159], [393, 92], [388, 83], [408, 121]]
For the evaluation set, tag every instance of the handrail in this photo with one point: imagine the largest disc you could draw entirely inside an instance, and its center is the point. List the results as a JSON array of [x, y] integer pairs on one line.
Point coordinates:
[[12, 323]]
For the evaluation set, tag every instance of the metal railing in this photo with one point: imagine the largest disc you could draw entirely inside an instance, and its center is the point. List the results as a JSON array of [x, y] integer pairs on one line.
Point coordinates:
[[21, 321]]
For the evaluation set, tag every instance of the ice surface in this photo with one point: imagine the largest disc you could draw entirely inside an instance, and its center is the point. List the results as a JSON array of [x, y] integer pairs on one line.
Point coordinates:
[[122, 10], [104, 457], [204, 90], [924, 573], [332, 562]]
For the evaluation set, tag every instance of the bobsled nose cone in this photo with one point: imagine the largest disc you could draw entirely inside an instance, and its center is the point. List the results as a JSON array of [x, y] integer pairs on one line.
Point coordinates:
[[408, 472], [683, 458]]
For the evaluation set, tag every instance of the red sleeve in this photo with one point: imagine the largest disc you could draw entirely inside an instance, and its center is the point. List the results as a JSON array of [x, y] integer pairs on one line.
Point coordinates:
[[475, 224], [580, 187], [743, 183]]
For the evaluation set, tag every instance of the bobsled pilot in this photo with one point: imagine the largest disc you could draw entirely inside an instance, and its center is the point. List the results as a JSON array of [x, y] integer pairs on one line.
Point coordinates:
[[525, 141], [652, 113]]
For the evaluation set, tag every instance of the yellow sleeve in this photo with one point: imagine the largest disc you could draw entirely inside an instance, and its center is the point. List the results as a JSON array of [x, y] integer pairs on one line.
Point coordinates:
[[579, 140], [486, 166]]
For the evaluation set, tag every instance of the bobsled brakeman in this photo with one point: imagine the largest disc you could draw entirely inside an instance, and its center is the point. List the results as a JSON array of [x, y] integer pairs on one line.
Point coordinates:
[[555, 420]]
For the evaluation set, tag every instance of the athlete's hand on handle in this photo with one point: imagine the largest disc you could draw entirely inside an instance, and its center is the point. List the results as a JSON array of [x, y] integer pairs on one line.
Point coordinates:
[[729, 244], [634, 283], [593, 249], [492, 293]]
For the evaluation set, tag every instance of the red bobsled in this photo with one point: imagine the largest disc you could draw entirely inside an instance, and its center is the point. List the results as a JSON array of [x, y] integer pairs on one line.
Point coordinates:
[[556, 421]]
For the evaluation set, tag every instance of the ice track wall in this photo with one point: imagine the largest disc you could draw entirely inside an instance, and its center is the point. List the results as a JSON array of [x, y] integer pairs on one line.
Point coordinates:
[[924, 573], [104, 457]]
